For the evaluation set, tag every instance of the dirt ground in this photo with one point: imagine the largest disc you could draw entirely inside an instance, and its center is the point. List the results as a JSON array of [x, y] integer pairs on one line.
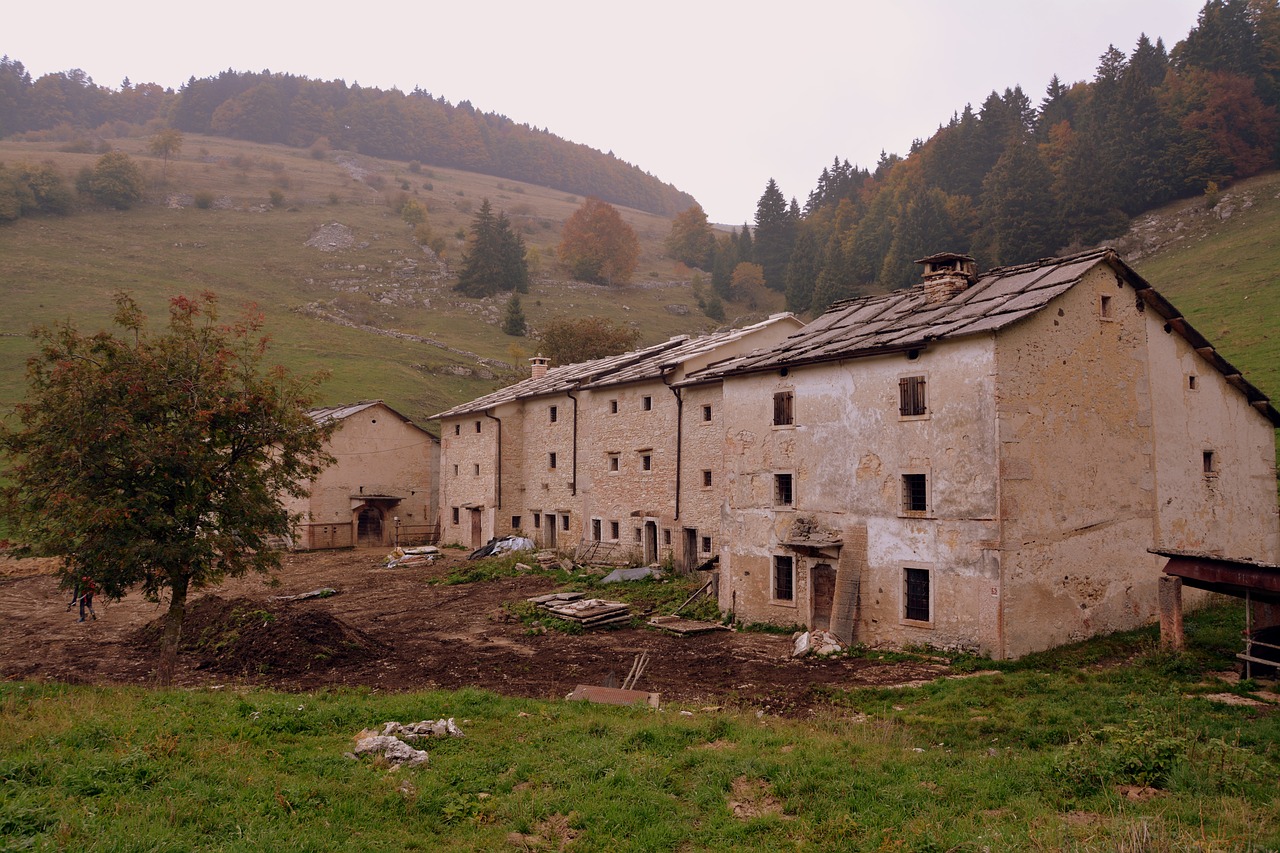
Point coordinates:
[[392, 630]]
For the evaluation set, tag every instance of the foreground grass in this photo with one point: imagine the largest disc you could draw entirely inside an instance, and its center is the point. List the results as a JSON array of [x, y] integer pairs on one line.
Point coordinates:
[[1027, 758]]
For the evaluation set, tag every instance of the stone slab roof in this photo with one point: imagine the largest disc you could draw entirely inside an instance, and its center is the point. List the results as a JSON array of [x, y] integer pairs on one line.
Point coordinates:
[[904, 320], [638, 365], [325, 414]]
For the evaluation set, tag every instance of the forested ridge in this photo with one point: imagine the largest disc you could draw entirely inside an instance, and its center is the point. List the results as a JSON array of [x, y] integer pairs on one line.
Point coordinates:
[[1013, 181], [283, 108]]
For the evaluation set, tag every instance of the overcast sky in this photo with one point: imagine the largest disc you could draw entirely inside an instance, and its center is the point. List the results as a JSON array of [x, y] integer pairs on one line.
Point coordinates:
[[714, 97]]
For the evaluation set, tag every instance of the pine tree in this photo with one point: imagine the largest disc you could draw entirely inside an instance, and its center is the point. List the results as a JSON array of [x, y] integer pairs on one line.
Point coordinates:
[[774, 235], [494, 259], [513, 322]]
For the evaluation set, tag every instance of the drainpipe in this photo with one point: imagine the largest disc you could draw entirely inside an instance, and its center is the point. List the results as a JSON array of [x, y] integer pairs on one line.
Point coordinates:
[[498, 470], [679, 442], [573, 477]]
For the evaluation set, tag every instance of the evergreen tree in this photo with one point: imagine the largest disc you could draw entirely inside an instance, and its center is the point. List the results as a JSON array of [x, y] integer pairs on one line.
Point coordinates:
[[727, 256], [1018, 208], [774, 235], [494, 258], [804, 267], [513, 322]]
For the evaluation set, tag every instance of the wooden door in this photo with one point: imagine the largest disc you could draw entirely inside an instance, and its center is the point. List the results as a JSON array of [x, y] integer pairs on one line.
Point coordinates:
[[477, 530], [823, 583]]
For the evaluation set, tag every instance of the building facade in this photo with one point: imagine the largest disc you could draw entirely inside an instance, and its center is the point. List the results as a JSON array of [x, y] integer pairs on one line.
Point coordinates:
[[383, 484], [982, 462]]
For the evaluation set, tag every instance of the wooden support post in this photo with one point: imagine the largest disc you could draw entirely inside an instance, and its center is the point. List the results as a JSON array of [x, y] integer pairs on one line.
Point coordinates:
[[1169, 593]]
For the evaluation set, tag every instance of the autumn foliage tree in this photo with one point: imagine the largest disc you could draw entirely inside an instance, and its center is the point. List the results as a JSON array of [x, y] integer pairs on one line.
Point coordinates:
[[159, 460], [691, 241], [574, 339], [598, 246]]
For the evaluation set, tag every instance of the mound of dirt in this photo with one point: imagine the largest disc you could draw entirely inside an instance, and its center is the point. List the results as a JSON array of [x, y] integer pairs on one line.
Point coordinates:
[[240, 636]]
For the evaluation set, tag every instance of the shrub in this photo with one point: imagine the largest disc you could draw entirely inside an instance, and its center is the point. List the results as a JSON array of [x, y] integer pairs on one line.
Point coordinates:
[[415, 167], [333, 198], [116, 181], [277, 197], [204, 199]]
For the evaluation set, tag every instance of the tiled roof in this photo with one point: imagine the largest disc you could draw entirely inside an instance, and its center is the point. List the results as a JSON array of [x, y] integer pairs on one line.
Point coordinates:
[[325, 414], [648, 363], [905, 320]]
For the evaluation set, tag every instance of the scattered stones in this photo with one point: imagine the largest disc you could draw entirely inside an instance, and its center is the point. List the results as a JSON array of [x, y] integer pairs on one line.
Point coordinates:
[[391, 742], [332, 237]]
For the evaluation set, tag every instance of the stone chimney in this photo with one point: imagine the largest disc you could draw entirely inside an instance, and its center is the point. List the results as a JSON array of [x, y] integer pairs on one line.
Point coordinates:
[[539, 364], [946, 274]]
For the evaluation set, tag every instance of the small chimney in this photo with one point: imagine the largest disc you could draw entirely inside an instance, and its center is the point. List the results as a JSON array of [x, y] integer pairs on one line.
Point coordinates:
[[540, 364], [946, 274]]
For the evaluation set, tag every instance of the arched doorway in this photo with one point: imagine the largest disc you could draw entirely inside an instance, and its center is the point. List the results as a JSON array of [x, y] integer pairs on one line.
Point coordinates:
[[369, 526]]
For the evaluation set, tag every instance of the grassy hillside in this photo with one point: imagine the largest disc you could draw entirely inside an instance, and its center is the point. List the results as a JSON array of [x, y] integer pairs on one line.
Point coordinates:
[[1221, 267], [379, 314]]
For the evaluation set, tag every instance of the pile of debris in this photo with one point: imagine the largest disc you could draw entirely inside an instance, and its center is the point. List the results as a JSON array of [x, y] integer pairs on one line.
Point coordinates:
[[391, 744], [423, 555], [551, 559], [587, 612], [821, 643], [502, 545]]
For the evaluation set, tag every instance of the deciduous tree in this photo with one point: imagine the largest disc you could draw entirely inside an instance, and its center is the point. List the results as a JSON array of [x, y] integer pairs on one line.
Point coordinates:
[[159, 460], [167, 143], [574, 339], [598, 246], [691, 240], [116, 181]]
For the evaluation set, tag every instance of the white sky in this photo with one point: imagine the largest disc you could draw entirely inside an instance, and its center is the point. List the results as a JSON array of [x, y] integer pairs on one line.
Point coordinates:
[[715, 97]]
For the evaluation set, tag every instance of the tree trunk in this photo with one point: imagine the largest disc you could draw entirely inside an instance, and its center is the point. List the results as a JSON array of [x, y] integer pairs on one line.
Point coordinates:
[[172, 631]]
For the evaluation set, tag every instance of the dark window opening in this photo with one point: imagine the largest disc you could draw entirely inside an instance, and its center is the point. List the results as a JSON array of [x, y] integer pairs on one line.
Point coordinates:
[[915, 493], [639, 535], [595, 529], [477, 470], [564, 521], [783, 408], [706, 479], [477, 426], [646, 462], [666, 536], [613, 530], [783, 578], [515, 522], [614, 461], [911, 399], [916, 594], [457, 429], [706, 544], [456, 515], [537, 520], [646, 403], [613, 407], [1191, 383], [1209, 462], [706, 413], [554, 413], [551, 460], [782, 490], [1105, 306]]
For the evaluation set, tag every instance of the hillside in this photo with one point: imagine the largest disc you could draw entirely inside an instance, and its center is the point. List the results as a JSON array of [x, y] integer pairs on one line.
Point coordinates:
[[374, 308], [1219, 262]]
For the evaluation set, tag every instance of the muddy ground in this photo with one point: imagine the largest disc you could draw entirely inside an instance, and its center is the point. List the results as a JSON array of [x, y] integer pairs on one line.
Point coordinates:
[[393, 630]]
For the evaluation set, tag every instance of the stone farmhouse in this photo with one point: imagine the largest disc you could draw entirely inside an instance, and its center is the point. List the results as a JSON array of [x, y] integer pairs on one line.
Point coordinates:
[[979, 462], [383, 484], [983, 462], [605, 454]]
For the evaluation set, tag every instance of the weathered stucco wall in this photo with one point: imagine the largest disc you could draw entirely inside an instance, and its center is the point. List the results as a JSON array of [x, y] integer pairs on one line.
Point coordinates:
[[468, 465], [847, 453], [1229, 509], [701, 506], [376, 453], [1077, 476], [537, 492]]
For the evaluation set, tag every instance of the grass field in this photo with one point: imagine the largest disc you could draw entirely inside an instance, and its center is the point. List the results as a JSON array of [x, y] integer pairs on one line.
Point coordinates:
[[1108, 745], [245, 249]]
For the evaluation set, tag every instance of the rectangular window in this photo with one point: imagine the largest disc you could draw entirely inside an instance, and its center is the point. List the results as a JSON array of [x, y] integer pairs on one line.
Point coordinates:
[[915, 493], [477, 468], [1104, 307], [646, 461], [552, 412], [1191, 382], [706, 544], [783, 578], [615, 463], [666, 536], [782, 495], [477, 426], [646, 403], [1209, 462], [706, 413], [613, 530], [613, 407], [639, 535], [551, 460], [455, 470], [706, 479], [915, 594], [784, 408], [564, 521], [595, 529], [537, 520], [911, 400], [457, 429], [456, 515], [515, 522]]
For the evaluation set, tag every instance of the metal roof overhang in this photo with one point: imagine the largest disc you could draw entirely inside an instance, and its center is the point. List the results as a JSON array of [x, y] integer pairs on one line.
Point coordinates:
[[1240, 578]]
